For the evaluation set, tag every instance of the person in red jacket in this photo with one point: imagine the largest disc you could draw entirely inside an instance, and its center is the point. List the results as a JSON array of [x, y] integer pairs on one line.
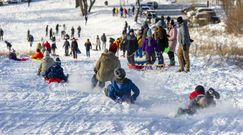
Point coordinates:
[[199, 99], [47, 46], [38, 55]]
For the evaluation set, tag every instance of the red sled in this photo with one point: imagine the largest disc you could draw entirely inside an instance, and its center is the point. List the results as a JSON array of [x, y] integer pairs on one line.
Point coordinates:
[[53, 80], [24, 59], [136, 67]]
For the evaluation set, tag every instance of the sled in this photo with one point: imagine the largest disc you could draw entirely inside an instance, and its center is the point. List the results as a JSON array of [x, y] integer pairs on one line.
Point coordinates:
[[136, 67], [24, 59], [53, 80]]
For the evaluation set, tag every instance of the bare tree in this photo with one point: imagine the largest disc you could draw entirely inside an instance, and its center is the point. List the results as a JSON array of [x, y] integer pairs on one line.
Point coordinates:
[[138, 10], [85, 6]]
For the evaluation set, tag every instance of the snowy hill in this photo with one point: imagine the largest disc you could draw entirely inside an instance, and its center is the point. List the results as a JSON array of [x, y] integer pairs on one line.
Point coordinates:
[[29, 105]]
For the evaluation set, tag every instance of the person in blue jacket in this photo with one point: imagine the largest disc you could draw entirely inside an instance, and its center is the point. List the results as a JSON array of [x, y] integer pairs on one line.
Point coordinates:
[[56, 71], [121, 88]]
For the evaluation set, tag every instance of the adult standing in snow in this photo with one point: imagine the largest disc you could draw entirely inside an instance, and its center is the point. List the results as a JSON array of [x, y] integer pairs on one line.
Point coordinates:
[[46, 63], [47, 30], [79, 31], [98, 43], [172, 37], [28, 35], [184, 45], [29, 2], [103, 39], [74, 48], [105, 66], [121, 11], [50, 34], [86, 19], [57, 29], [72, 32], [121, 88], [88, 46], [133, 9], [31, 39], [124, 43], [66, 46], [149, 46], [1, 34], [162, 42], [53, 45], [139, 52], [131, 47]]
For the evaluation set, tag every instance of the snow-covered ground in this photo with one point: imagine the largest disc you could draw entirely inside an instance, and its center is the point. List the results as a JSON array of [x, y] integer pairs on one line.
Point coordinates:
[[28, 105]]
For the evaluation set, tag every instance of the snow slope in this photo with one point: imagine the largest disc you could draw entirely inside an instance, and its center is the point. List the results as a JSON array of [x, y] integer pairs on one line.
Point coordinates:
[[28, 105]]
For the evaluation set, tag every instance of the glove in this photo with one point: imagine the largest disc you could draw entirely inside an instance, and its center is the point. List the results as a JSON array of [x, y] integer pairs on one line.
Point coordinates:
[[119, 100], [184, 47], [95, 70]]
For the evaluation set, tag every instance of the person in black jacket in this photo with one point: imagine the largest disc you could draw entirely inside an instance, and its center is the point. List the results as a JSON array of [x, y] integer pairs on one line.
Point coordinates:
[[57, 29], [47, 30], [51, 33], [53, 45], [72, 32], [9, 45], [132, 46], [74, 47], [79, 30], [66, 47], [31, 40], [88, 46], [1, 34], [103, 39]]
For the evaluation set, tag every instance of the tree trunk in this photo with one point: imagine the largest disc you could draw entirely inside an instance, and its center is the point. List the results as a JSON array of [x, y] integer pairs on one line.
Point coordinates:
[[138, 10], [77, 3]]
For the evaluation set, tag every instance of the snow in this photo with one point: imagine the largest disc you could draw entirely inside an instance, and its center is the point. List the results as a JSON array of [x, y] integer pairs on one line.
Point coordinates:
[[29, 105]]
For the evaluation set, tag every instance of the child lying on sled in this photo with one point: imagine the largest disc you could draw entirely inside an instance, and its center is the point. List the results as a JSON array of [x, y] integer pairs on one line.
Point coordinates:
[[199, 99]]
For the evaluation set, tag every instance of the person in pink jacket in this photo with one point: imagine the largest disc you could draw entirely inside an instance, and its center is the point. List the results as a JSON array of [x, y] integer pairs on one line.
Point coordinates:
[[172, 38]]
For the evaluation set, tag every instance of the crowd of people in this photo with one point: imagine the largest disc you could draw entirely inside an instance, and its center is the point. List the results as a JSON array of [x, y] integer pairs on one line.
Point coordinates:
[[148, 42], [123, 12]]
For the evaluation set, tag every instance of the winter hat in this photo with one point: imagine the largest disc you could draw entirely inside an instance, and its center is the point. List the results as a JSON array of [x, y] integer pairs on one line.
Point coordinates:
[[159, 23], [112, 40], [172, 22], [58, 61], [113, 48], [38, 50], [119, 73], [180, 20], [200, 88], [149, 32], [47, 54], [131, 30]]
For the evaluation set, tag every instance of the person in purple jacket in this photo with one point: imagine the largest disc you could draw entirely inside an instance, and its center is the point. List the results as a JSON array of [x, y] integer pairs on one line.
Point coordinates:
[[149, 47]]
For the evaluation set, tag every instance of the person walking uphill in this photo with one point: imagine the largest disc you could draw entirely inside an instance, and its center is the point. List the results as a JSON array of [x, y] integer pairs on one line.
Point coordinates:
[[104, 68], [184, 45], [74, 48], [66, 46], [88, 46], [132, 46], [121, 88]]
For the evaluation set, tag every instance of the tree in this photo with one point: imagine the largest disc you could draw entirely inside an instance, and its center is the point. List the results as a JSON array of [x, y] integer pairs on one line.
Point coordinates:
[[85, 6], [138, 10]]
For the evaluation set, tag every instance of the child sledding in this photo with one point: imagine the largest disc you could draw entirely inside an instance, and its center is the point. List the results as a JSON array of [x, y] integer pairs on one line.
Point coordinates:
[[120, 90], [199, 99]]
